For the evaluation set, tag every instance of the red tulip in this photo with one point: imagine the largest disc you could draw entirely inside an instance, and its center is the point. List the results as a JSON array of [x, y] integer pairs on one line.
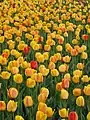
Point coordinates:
[[34, 64], [26, 50], [85, 37], [73, 116]]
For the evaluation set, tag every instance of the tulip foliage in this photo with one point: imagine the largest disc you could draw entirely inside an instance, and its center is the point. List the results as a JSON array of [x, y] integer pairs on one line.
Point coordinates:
[[44, 60]]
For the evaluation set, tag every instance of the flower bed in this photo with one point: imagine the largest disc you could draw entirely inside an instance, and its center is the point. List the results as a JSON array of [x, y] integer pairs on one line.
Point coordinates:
[[44, 60]]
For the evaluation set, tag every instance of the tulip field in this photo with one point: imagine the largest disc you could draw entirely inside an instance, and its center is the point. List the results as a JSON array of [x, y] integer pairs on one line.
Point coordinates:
[[44, 60]]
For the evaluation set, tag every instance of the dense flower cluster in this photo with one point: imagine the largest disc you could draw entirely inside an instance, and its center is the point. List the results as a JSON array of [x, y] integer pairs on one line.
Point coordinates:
[[44, 60]]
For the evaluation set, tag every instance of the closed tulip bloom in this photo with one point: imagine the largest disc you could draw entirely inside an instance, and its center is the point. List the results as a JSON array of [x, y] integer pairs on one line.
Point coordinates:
[[80, 66], [12, 92], [59, 48], [44, 71], [84, 55], [18, 78], [42, 98], [30, 83], [40, 58], [88, 116], [26, 50], [65, 83], [49, 112], [85, 78], [73, 116], [42, 107], [76, 78], [54, 72], [66, 59], [46, 55], [24, 64], [34, 64], [18, 117], [67, 76], [77, 72], [44, 91], [11, 106], [28, 101], [63, 113], [39, 77], [85, 37], [64, 94], [51, 65], [59, 86], [80, 101], [14, 70], [47, 47], [2, 106], [62, 68], [77, 92], [5, 75], [29, 71], [41, 116], [87, 90]]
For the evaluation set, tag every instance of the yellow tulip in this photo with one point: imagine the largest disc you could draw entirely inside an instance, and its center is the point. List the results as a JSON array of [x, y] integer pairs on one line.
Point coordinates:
[[54, 72], [80, 101], [84, 55], [85, 78], [77, 72], [64, 94], [63, 113], [87, 90], [5, 75], [28, 101], [88, 116], [18, 78], [12, 92], [30, 83], [41, 116], [49, 112], [76, 79], [11, 106], [42, 97], [77, 92], [59, 48], [42, 107], [18, 117]]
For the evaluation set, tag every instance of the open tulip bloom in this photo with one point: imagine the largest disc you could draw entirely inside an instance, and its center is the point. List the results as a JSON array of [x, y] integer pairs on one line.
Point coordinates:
[[45, 60]]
